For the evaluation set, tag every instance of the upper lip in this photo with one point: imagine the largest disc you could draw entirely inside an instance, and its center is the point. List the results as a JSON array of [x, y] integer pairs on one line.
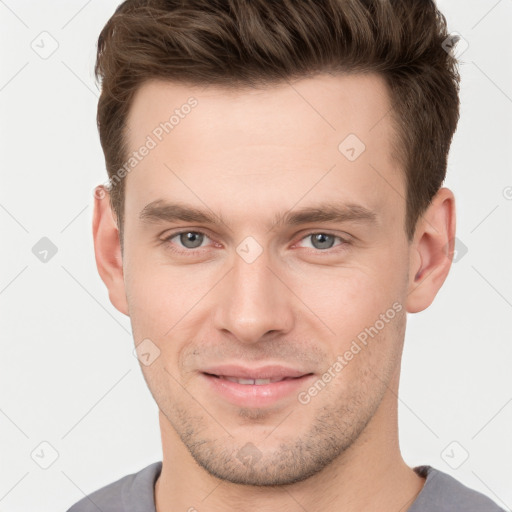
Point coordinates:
[[262, 372]]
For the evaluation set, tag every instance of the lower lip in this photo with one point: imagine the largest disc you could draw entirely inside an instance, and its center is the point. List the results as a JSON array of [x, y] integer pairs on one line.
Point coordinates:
[[256, 395]]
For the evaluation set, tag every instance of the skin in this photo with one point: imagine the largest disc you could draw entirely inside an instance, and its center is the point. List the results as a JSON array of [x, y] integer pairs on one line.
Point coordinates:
[[249, 155]]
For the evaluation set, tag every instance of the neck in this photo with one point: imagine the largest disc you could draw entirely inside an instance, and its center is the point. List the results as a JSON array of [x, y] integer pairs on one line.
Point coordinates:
[[370, 475]]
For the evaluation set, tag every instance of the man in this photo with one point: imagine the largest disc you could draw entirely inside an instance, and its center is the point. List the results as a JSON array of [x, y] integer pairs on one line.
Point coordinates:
[[274, 211]]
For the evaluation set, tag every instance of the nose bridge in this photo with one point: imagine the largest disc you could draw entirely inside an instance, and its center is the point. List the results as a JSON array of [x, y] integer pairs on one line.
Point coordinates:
[[253, 301]]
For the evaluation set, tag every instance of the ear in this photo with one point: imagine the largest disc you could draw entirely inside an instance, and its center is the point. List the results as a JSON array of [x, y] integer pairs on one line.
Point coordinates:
[[431, 251], [107, 249]]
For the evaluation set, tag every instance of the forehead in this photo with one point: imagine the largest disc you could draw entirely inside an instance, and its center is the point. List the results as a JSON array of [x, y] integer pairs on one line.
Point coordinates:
[[328, 103], [287, 137]]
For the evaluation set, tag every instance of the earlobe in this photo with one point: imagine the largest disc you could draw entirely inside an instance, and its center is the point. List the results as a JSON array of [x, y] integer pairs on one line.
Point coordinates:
[[431, 251], [107, 249]]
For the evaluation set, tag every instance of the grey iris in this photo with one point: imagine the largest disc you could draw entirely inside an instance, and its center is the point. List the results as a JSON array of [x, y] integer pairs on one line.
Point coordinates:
[[195, 239]]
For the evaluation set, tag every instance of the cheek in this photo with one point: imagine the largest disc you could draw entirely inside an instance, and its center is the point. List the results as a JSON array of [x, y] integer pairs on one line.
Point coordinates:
[[348, 298], [362, 308], [365, 356], [152, 298], [165, 302]]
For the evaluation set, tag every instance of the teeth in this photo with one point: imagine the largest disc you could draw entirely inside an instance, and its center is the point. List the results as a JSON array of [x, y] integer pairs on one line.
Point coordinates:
[[243, 381], [248, 381]]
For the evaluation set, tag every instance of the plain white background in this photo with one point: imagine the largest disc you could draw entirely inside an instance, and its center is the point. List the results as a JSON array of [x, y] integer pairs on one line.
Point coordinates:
[[68, 374]]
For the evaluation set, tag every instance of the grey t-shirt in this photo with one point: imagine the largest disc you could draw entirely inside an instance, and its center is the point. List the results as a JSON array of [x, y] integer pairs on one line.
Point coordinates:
[[135, 493]]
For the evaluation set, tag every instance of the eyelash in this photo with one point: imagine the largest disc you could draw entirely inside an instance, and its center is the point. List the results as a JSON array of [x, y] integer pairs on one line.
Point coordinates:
[[167, 242]]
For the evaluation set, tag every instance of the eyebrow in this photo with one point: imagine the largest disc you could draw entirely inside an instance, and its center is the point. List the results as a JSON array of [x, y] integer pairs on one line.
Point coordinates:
[[164, 211]]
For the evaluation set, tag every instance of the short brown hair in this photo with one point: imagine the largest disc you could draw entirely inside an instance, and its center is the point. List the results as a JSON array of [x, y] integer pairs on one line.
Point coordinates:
[[251, 43]]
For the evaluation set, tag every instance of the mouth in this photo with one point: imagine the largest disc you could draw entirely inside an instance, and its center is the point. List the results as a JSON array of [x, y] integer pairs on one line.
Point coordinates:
[[255, 387]]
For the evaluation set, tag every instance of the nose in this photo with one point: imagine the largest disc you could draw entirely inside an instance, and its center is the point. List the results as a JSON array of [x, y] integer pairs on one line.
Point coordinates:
[[253, 303]]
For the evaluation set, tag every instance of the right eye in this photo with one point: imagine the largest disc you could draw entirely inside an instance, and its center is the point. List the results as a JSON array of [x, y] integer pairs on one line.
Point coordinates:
[[190, 240]]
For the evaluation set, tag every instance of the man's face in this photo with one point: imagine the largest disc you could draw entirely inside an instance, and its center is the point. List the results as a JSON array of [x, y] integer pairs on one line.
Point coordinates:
[[251, 293]]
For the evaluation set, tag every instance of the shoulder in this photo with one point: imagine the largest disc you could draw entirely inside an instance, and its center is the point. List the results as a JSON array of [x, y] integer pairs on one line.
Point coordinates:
[[129, 493], [441, 492]]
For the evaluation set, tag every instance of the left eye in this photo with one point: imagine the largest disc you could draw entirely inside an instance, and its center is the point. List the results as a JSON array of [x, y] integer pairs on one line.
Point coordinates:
[[322, 240]]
